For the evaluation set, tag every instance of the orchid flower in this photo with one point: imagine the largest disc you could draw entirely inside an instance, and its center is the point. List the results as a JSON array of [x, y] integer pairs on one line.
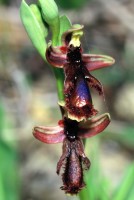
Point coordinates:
[[70, 132], [77, 67]]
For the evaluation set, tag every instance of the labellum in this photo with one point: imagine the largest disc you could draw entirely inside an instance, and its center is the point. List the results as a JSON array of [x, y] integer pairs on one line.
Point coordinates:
[[72, 159]]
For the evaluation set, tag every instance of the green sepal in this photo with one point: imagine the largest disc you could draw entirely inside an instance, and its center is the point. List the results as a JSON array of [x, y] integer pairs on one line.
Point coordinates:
[[31, 19]]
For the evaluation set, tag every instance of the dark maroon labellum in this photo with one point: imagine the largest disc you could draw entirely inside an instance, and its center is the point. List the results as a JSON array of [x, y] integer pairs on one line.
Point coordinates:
[[72, 158]]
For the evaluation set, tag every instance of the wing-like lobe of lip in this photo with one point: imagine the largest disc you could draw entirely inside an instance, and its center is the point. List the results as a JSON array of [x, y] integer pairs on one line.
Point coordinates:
[[49, 135], [94, 126]]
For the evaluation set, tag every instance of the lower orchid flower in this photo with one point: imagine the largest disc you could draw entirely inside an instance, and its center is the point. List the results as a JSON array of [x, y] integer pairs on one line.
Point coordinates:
[[73, 159]]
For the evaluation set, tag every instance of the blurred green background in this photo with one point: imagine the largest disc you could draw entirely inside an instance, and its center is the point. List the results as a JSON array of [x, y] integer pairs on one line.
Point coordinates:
[[28, 98]]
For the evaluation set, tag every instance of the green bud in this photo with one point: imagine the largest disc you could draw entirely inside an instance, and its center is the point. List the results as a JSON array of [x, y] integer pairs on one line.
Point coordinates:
[[49, 10], [51, 16]]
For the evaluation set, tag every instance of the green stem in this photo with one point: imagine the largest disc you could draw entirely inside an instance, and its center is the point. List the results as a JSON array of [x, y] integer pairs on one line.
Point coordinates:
[[59, 82], [83, 195]]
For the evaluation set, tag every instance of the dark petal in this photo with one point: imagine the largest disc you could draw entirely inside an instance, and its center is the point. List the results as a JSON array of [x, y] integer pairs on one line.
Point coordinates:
[[49, 135], [94, 62], [94, 126], [94, 83], [55, 56]]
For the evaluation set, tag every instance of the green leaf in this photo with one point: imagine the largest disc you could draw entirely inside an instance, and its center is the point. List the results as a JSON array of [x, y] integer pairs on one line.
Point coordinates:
[[122, 192], [97, 186], [2, 191], [32, 22], [131, 194], [105, 187], [2, 118], [92, 176], [9, 179], [69, 4]]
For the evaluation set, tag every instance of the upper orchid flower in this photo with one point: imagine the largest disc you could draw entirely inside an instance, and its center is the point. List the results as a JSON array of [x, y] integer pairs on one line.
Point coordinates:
[[73, 157], [78, 80]]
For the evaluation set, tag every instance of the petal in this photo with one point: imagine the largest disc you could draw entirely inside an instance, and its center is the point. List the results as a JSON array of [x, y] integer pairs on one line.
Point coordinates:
[[55, 56], [94, 126], [49, 135], [94, 62]]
